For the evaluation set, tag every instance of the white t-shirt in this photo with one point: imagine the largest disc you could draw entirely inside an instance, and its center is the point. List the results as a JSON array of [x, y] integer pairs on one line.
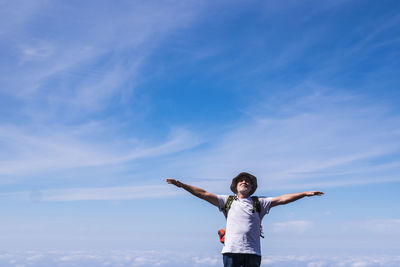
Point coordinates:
[[242, 226]]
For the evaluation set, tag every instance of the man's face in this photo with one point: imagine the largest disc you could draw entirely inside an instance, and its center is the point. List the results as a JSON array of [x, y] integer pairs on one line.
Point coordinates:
[[244, 186]]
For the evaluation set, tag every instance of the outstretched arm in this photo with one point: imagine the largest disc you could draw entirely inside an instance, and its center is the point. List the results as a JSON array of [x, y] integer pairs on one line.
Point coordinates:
[[287, 198], [198, 192]]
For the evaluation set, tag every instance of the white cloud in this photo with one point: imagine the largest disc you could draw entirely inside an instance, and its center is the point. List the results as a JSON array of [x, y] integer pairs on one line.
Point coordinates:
[[316, 264], [5, 256], [32, 257], [176, 259], [325, 261], [207, 261]]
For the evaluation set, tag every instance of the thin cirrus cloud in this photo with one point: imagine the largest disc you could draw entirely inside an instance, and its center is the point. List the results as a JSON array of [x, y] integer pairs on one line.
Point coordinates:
[[320, 139], [54, 81], [390, 227], [39, 51], [27, 153], [333, 151], [83, 194], [95, 63]]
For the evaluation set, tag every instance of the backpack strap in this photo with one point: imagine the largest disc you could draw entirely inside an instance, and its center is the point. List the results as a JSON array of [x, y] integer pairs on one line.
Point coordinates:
[[257, 207], [256, 204], [228, 205]]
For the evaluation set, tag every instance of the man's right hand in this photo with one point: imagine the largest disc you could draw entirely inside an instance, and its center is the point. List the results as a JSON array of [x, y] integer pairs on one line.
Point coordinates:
[[174, 182], [198, 192]]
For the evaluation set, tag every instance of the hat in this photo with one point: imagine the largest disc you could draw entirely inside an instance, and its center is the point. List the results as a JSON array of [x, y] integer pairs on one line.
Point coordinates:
[[252, 178]]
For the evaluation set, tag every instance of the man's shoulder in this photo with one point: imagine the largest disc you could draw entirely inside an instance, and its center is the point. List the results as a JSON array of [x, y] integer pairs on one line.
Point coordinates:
[[225, 197], [264, 201], [222, 199], [263, 198]]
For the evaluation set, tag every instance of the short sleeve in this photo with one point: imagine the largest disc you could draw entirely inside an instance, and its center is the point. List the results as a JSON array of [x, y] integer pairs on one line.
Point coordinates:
[[265, 203], [221, 201]]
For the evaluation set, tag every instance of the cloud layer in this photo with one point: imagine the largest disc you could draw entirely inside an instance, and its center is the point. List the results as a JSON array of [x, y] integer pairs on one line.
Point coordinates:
[[169, 259]]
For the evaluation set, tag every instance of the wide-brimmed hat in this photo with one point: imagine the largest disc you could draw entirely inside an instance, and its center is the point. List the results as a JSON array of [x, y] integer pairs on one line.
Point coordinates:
[[252, 178]]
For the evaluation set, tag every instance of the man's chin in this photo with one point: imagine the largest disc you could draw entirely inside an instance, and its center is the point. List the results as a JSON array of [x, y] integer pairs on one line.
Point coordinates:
[[244, 192]]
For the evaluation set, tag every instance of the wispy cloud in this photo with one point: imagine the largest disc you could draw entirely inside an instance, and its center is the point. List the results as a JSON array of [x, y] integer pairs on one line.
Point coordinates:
[[389, 227], [314, 141], [38, 51], [65, 81], [322, 139], [378, 29], [105, 193], [107, 65], [29, 153]]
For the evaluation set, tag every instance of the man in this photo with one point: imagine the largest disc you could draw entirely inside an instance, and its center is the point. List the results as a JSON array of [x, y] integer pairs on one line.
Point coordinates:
[[243, 225]]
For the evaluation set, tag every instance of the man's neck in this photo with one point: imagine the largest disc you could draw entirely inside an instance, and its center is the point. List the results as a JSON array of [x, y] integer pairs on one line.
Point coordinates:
[[239, 195]]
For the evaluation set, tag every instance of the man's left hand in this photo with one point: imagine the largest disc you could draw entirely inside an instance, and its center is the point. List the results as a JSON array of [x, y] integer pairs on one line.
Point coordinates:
[[314, 193]]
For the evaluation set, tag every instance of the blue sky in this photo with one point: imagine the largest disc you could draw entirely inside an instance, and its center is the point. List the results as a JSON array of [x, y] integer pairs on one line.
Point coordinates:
[[101, 101]]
